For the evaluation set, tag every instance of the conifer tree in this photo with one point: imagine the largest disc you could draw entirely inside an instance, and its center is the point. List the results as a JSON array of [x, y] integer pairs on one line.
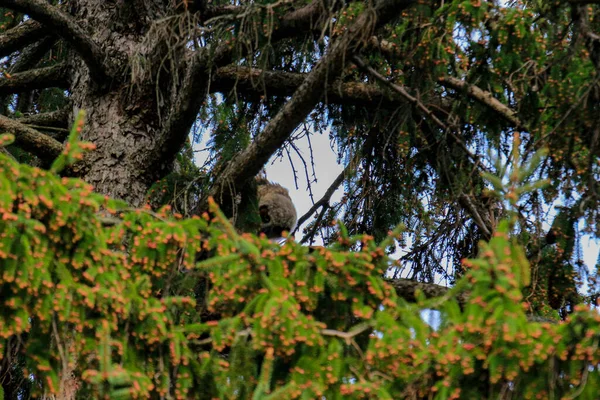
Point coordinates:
[[464, 121]]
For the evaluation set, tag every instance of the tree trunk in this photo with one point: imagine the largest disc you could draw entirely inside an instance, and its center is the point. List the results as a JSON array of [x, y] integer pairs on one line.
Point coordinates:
[[121, 118], [117, 166]]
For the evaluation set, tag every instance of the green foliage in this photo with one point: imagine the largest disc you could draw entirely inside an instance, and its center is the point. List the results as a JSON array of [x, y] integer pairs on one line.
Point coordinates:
[[74, 149], [144, 304], [118, 306]]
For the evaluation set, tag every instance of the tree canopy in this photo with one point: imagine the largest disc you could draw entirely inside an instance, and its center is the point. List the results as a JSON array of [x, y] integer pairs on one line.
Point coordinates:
[[448, 116], [115, 305]]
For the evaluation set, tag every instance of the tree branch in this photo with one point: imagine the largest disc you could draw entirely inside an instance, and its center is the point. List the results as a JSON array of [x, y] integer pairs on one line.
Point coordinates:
[[406, 289], [469, 206], [279, 83], [249, 162], [55, 119], [323, 201], [197, 76], [592, 40], [27, 59], [31, 55], [311, 18], [54, 76], [420, 106], [400, 90], [43, 146], [208, 12], [62, 23], [20, 36], [485, 98]]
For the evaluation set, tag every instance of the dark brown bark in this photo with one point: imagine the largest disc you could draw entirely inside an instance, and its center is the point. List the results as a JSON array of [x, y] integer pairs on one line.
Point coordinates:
[[55, 119], [54, 76], [20, 36]]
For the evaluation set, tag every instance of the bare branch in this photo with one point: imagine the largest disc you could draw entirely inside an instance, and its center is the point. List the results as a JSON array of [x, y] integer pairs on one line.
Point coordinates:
[[62, 23], [249, 162], [54, 76], [347, 336], [43, 146], [469, 206], [406, 289], [324, 201], [20, 36], [56, 119], [485, 98], [259, 82]]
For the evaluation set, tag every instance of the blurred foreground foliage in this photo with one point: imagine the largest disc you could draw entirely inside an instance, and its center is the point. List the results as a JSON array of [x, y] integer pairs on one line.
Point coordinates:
[[138, 304]]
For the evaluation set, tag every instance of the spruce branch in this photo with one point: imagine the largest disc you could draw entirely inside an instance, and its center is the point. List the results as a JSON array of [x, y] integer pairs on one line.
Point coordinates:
[[20, 36], [64, 25], [484, 97], [31, 140], [249, 162], [423, 109], [476, 93], [56, 119], [197, 79], [260, 82], [40, 78]]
